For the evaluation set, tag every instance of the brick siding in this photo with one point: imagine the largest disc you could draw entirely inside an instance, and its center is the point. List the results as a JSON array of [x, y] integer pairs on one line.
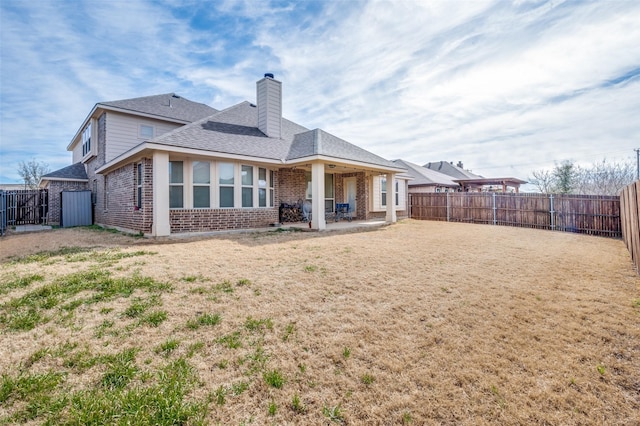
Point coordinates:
[[121, 211], [291, 186], [202, 220], [96, 182]]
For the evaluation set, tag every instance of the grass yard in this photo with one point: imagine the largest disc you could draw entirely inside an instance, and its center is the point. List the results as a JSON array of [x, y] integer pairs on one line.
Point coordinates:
[[416, 323]]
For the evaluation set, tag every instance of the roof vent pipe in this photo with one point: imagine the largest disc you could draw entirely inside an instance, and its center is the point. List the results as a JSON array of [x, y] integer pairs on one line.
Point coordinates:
[[269, 75]]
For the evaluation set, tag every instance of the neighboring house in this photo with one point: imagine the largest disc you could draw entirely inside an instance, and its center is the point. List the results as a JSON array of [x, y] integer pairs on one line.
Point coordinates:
[[13, 186], [163, 164], [470, 182], [447, 168], [427, 180]]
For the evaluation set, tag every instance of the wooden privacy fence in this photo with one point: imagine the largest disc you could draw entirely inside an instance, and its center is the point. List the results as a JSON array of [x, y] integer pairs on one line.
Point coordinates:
[[22, 207], [585, 214], [630, 218]]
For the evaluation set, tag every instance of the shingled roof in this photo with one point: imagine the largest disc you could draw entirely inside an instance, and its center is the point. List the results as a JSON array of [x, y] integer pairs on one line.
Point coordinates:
[[235, 131], [424, 176], [451, 170], [73, 172], [168, 105]]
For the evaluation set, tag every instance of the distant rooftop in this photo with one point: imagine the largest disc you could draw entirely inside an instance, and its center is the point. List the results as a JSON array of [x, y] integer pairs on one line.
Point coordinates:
[[455, 171]]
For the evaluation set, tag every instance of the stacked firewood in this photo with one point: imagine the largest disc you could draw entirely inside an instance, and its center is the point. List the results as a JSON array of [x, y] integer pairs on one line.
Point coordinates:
[[290, 212]]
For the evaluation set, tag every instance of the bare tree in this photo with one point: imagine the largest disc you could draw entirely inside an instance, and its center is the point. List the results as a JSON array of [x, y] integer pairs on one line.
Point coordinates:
[[32, 171], [543, 180], [602, 178], [606, 178]]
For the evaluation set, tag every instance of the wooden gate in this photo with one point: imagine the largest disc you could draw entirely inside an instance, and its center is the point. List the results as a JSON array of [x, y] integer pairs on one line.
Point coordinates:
[[23, 207]]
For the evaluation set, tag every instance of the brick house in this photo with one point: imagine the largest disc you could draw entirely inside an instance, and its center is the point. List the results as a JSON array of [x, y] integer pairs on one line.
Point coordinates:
[[163, 164]]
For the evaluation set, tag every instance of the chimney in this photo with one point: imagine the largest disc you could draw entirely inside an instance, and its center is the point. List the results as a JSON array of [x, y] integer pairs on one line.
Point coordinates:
[[269, 94]]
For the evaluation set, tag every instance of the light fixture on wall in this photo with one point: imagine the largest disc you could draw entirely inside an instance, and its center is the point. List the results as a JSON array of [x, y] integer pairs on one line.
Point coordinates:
[[332, 166]]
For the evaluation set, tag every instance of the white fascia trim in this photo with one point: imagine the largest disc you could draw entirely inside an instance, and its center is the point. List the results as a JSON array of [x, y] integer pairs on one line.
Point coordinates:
[[63, 179], [341, 161], [148, 146], [142, 114], [82, 126]]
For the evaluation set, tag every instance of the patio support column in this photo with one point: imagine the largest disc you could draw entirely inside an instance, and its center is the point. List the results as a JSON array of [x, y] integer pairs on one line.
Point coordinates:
[[161, 224], [317, 198], [391, 198]]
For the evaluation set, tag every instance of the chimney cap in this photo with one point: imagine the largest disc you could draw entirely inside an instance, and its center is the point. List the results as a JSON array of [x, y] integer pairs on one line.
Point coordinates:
[[269, 75]]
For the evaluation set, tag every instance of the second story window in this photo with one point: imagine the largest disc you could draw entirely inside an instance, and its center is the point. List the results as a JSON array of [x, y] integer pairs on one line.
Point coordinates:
[[146, 131], [86, 140]]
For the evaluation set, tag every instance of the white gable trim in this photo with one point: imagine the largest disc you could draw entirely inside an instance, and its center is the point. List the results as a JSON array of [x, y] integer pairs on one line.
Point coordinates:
[[95, 114]]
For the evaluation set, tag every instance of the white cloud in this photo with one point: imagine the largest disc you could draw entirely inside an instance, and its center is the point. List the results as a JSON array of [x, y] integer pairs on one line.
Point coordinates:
[[506, 88]]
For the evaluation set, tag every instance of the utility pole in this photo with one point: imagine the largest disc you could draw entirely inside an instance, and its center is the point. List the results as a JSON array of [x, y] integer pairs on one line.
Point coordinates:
[[637, 150]]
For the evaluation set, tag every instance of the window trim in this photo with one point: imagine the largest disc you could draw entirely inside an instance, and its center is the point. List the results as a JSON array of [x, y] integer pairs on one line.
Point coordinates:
[[215, 186], [219, 185], [244, 186], [331, 199], [383, 191], [195, 185], [89, 140], [139, 179], [397, 194], [263, 188], [177, 184], [150, 126]]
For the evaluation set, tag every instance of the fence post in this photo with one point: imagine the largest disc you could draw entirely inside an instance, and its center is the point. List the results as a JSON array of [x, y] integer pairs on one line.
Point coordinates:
[[552, 212], [448, 207], [494, 208], [3, 212]]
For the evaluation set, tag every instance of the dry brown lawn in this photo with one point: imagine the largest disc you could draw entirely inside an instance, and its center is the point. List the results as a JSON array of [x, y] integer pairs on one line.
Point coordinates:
[[416, 323]]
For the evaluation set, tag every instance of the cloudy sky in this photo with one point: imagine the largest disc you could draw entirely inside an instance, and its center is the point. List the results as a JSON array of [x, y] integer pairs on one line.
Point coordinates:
[[506, 87]]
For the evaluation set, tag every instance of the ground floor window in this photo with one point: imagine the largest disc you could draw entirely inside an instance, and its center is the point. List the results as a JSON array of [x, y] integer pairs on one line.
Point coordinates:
[[219, 184], [226, 180], [383, 191], [247, 186], [176, 184], [329, 191], [380, 188], [201, 184], [138, 179]]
